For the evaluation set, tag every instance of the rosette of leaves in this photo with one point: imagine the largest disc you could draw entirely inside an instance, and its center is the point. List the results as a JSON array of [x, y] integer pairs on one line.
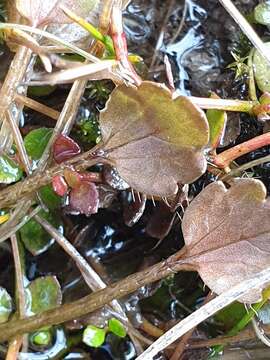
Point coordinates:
[[155, 142]]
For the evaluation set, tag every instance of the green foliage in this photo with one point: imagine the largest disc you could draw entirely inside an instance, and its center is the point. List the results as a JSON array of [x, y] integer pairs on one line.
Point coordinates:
[[89, 130], [36, 141], [230, 315], [239, 65], [5, 305], [40, 91], [43, 294], [34, 237], [94, 336], [117, 328], [42, 338], [262, 13], [9, 171], [217, 121], [261, 70], [3, 10], [50, 198]]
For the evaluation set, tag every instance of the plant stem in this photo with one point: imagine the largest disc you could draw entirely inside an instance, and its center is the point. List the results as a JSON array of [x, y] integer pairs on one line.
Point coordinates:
[[17, 136], [246, 334], [181, 347], [244, 167], [224, 104], [96, 300], [8, 92], [224, 159], [51, 37], [16, 343], [92, 279], [15, 192], [256, 281]]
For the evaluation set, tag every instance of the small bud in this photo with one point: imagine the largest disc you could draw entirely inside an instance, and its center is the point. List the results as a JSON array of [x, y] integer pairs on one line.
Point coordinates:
[[265, 98]]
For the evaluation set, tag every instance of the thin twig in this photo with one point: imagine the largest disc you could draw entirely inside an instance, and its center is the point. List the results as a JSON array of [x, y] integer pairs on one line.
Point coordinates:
[[37, 106], [246, 28], [246, 166], [246, 334], [13, 193], [224, 104], [15, 344], [97, 299], [8, 91], [181, 347], [18, 219], [161, 34], [19, 142], [75, 49], [92, 279], [254, 282], [182, 23]]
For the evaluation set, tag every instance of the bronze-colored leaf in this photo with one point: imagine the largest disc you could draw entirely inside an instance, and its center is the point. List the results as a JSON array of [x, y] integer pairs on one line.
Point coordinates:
[[227, 234], [153, 141]]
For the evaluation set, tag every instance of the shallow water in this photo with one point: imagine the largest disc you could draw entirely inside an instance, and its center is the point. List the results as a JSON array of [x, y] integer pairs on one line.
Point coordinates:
[[198, 56]]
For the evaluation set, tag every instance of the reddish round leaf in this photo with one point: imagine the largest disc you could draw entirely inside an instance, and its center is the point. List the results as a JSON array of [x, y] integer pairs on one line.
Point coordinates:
[[59, 185], [84, 198], [73, 178], [65, 148]]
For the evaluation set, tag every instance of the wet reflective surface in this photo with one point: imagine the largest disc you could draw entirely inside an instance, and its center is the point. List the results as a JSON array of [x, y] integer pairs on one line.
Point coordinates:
[[198, 39]]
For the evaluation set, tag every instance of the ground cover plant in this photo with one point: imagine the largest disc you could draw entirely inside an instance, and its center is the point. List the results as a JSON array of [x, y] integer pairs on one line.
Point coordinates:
[[134, 187]]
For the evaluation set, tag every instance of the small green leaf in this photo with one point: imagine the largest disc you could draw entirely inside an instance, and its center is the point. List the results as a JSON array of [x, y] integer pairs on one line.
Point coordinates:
[[41, 338], [94, 336], [217, 121], [40, 91], [49, 197], [116, 327], [35, 238], [5, 305], [89, 130], [231, 315], [9, 170], [36, 141], [44, 294], [262, 13], [261, 70]]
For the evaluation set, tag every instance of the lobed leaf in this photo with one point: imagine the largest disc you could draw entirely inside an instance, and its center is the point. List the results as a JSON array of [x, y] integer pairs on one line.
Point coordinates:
[[94, 336], [227, 234], [262, 13], [261, 70], [154, 142], [50, 198], [36, 141], [5, 305], [44, 293], [117, 328], [9, 171], [65, 148], [35, 238], [84, 198]]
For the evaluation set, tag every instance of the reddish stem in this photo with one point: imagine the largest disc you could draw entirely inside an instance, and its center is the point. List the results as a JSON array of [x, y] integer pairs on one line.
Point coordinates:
[[120, 43], [226, 157]]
